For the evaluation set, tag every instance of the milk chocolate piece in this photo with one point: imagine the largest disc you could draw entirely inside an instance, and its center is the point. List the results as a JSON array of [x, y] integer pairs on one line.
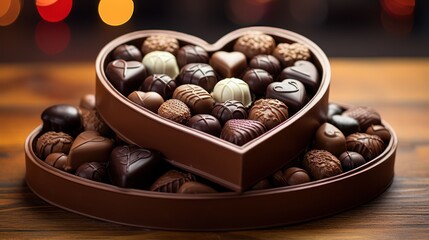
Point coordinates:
[[56, 160], [261, 185], [171, 181], [200, 74], [267, 63], [329, 138], [205, 123], [88, 146], [345, 124], [95, 171], [195, 188], [289, 91], [191, 54], [278, 179], [366, 116], [127, 52], [295, 176], [162, 84], [87, 102], [369, 146], [255, 43], [305, 72], [149, 100], [321, 164], [125, 76], [160, 43], [270, 112], [232, 89], [228, 64], [242, 131], [380, 131], [288, 54], [230, 109], [195, 97], [62, 118], [258, 80], [91, 120], [175, 110], [160, 62], [133, 167], [351, 160], [53, 142]]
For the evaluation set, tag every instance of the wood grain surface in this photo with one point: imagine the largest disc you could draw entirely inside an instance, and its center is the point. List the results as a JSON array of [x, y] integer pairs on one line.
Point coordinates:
[[397, 88]]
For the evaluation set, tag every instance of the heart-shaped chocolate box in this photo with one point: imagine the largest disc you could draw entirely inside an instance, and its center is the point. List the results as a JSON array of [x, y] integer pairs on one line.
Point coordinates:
[[232, 166]]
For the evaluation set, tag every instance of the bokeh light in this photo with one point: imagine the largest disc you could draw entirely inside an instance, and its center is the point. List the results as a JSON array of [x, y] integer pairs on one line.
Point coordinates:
[[309, 12], [397, 16], [9, 11], [54, 10], [52, 38], [247, 12], [115, 12]]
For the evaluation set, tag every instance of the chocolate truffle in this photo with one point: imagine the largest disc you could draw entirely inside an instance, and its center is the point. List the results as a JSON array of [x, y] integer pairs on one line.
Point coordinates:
[[351, 160], [232, 89], [329, 138], [380, 131], [321, 164], [290, 92], [369, 146], [230, 109], [200, 74], [195, 97], [159, 62], [160, 43], [171, 181], [288, 54], [267, 63], [127, 53], [191, 54], [53, 142], [195, 188], [91, 120], [228, 64], [87, 102], [133, 167], [295, 176], [242, 131], [270, 112], [62, 118], [346, 125], [254, 43], [261, 185], [162, 84], [305, 72], [258, 80], [125, 76], [88, 146], [366, 116], [95, 171], [278, 179], [175, 110], [149, 100], [56, 160], [205, 123]]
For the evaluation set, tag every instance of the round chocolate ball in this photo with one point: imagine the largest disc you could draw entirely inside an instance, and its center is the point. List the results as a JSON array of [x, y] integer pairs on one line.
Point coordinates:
[[321, 164], [200, 74], [205, 123], [162, 84], [254, 43], [230, 109], [53, 142], [95, 171], [288, 54], [56, 160], [87, 102], [149, 100], [350, 160], [266, 62], [127, 53], [380, 131], [258, 80], [191, 54], [160, 43], [175, 110], [295, 176], [62, 118], [270, 112]]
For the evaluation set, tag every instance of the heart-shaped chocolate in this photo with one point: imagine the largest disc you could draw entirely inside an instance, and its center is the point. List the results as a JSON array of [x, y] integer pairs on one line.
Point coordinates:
[[289, 91], [305, 72], [228, 64], [126, 75]]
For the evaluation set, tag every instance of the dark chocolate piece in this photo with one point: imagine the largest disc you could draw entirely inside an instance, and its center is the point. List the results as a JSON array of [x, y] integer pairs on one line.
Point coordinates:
[[160, 62], [345, 124], [321, 164], [62, 118], [329, 138], [53, 142], [133, 167], [200, 74], [175, 110], [87, 102], [171, 181], [230, 109], [366, 116], [149, 100], [369, 146], [289, 91], [278, 179], [195, 97], [334, 109], [56, 160], [95, 171], [266, 62], [195, 188], [288, 54], [228, 64], [160, 43], [380, 131], [162, 84], [254, 43], [295, 176], [351, 160], [205, 123], [305, 72], [258, 80], [127, 53], [125, 76], [191, 54], [263, 184], [232, 89], [242, 131], [270, 112]]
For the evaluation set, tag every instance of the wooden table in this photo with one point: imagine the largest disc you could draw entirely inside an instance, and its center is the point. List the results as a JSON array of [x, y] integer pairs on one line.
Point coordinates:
[[397, 88]]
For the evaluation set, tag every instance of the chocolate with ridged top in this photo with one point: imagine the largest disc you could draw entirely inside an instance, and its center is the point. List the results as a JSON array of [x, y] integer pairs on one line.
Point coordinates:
[[254, 43], [258, 80], [162, 84], [195, 97], [56, 160], [230, 109], [278, 179], [288, 54], [329, 138], [200, 74], [321, 164], [160, 62], [171, 181], [242, 131], [228, 64], [380, 131], [266, 62], [366, 116], [127, 52], [53, 142], [205, 123], [125, 76], [232, 89], [195, 188], [160, 43], [369, 146], [270, 112], [95, 171], [191, 54], [295, 176], [149, 100], [351, 160], [62, 118], [175, 110], [289, 91], [303, 71]]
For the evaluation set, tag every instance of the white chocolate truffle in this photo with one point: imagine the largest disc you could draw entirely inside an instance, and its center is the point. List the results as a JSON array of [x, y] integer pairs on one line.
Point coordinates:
[[161, 62], [232, 89]]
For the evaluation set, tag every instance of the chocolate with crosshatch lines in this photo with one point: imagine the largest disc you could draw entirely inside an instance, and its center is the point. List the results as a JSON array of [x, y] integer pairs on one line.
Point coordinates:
[[200, 74]]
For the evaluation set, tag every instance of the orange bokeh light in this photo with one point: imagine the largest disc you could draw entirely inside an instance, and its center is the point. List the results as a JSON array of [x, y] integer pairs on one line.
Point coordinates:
[[9, 11], [115, 12]]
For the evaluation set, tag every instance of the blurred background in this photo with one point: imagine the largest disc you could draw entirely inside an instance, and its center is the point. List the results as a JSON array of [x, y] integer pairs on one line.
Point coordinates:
[[67, 30]]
